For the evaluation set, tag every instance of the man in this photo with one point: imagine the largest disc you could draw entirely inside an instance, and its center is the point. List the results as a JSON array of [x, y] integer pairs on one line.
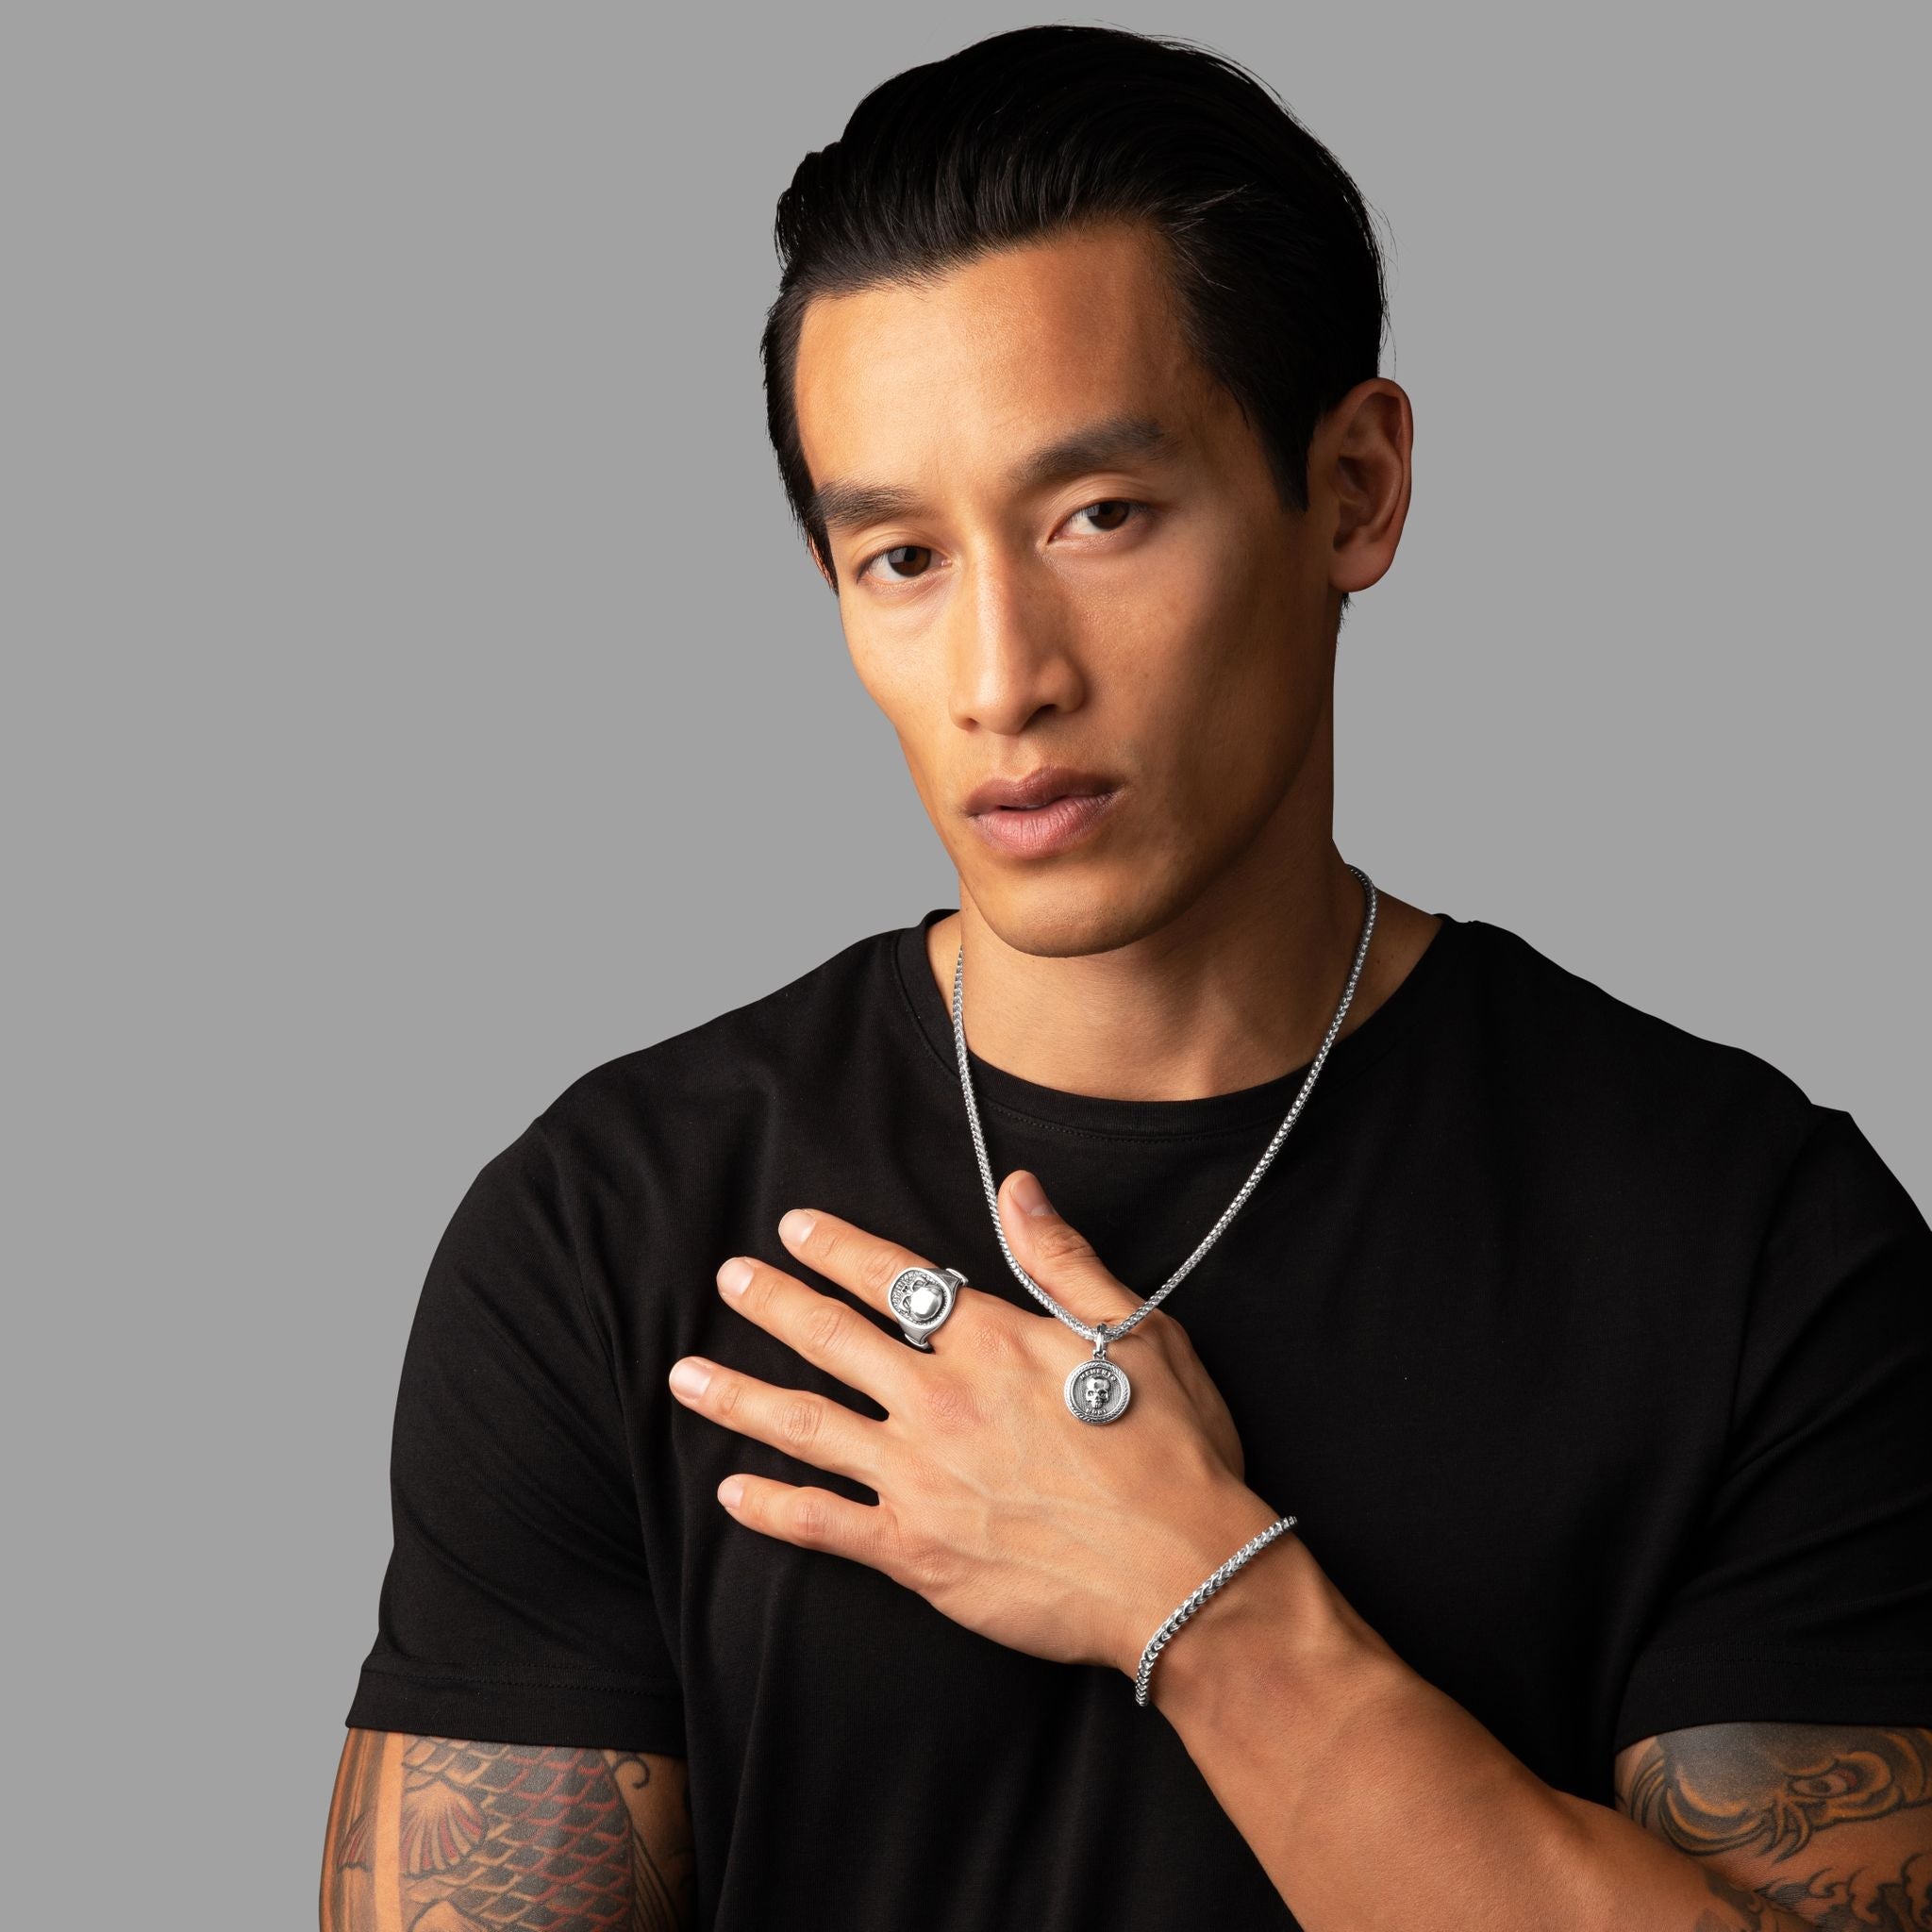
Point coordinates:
[[1587, 1357]]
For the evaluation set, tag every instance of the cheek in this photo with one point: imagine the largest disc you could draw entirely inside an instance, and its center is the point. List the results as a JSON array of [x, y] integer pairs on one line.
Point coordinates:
[[909, 691], [907, 684], [1218, 686]]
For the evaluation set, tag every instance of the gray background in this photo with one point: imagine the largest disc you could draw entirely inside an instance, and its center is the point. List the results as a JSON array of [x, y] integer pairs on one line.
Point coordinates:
[[416, 696]]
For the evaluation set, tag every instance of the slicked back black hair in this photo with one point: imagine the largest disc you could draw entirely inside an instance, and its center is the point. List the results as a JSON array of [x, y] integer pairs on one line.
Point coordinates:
[[1282, 295]]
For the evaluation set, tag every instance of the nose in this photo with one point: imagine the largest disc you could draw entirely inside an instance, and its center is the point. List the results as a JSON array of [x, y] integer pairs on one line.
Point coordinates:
[[1010, 648]]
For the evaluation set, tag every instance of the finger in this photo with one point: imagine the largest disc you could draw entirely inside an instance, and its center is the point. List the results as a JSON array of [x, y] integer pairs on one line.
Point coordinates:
[[824, 1331], [800, 1422], [1058, 1255], [813, 1518], [852, 1256]]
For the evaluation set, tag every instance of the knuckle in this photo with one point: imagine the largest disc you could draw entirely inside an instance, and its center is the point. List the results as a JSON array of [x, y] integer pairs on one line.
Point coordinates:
[[826, 1245], [811, 1517], [879, 1271], [949, 1404], [1170, 1335], [894, 1546], [800, 1420], [921, 1567], [1061, 1243], [876, 1541], [929, 1566], [824, 1330], [991, 1338], [894, 1550]]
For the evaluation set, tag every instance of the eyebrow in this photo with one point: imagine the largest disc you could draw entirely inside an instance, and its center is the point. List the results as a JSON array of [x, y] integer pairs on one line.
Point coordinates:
[[1104, 445]]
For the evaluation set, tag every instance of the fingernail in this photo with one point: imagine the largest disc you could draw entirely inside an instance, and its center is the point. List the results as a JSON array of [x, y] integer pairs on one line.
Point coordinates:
[[735, 1276], [1031, 1195], [730, 1490], [691, 1377], [797, 1226]]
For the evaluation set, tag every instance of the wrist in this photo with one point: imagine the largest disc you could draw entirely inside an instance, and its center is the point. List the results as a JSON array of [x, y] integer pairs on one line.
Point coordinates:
[[1215, 1529], [1278, 1620]]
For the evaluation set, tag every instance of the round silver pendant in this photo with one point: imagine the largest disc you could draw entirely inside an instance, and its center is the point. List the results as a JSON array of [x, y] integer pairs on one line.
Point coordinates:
[[1097, 1391]]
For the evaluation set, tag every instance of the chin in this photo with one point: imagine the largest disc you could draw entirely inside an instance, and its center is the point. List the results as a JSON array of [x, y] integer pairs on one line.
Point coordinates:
[[1066, 914]]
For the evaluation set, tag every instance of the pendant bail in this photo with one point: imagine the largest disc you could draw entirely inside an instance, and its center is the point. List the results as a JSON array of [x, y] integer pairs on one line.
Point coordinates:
[[1100, 1341]]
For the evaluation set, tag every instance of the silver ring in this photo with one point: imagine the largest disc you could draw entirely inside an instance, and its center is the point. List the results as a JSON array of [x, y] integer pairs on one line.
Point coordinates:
[[921, 1299]]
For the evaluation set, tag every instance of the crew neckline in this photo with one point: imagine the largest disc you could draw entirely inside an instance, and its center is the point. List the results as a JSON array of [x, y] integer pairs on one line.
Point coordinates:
[[994, 1087]]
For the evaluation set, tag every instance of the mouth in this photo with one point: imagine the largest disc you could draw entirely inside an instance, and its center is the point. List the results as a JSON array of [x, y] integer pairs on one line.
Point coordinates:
[[1049, 827], [1041, 786]]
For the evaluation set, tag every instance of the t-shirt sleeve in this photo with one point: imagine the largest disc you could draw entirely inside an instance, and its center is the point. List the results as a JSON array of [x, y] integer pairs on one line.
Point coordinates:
[[1807, 1597], [517, 1604]]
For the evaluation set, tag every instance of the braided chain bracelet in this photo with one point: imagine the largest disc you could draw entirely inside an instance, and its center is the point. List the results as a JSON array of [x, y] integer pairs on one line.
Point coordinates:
[[1161, 1638]]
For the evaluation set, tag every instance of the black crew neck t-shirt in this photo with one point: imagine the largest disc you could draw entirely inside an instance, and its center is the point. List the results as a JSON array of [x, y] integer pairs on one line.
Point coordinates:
[[1591, 1355]]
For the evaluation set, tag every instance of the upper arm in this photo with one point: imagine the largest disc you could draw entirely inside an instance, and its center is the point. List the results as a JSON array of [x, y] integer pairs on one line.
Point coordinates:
[[1805, 1595], [517, 1604], [1831, 1823], [520, 1600], [448, 1834]]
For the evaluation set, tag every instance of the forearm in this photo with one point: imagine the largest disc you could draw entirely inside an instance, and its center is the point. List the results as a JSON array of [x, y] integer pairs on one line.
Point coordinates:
[[1376, 1803]]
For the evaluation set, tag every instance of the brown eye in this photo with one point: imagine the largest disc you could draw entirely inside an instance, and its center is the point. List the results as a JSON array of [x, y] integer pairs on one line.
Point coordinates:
[[1109, 504], [894, 556]]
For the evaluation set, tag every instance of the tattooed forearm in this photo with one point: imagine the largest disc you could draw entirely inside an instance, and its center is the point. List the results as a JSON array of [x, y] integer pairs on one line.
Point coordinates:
[[1832, 1823], [448, 1835]]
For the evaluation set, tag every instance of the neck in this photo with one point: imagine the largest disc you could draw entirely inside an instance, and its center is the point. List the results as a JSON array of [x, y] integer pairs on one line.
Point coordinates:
[[1238, 988]]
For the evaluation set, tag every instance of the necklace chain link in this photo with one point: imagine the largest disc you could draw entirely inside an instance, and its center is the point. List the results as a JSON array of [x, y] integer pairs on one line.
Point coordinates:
[[1102, 1333]]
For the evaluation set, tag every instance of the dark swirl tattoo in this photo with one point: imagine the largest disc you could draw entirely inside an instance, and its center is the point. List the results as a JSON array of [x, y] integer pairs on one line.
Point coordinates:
[[1831, 1823]]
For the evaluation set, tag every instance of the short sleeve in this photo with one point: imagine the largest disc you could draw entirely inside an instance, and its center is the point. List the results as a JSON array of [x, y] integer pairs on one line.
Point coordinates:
[[1808, 1598], [517, 1604]]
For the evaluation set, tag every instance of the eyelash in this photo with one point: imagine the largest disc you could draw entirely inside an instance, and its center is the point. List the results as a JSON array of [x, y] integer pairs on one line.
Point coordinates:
[[1141, 510]]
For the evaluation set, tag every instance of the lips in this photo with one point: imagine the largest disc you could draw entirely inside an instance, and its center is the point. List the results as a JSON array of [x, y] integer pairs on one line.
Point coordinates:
[[1048, 811], [1040, 787]]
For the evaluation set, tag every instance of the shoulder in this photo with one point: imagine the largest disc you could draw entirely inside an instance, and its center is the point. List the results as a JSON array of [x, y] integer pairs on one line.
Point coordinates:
[[728, 1067], [652, 1140], [1617, 1076]]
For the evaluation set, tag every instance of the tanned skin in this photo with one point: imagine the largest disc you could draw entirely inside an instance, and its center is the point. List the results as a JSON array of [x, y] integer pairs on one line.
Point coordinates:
[[1151, 611], [452, 1835], [1159, 616], [1804, 1824], [1135, 600]]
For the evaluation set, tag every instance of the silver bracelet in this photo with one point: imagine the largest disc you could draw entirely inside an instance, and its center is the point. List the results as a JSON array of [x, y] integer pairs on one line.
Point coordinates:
[[1161, 1636]]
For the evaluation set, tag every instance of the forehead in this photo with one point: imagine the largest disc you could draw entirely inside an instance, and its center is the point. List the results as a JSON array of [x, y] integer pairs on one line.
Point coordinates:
[[903, 382]]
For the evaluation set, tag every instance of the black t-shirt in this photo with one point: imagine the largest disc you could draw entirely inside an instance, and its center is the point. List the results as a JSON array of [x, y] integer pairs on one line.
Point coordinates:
[[1591, 1355]]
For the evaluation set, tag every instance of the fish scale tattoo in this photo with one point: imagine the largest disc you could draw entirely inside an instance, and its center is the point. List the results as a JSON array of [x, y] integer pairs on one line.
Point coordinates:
[[451, 1835]]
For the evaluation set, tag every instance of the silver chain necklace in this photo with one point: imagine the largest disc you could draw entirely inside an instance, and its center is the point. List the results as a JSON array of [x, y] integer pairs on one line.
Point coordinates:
[[1097, 1389]]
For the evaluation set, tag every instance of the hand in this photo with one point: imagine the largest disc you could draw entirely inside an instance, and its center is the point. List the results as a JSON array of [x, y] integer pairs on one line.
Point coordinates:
[[1070, 1540]]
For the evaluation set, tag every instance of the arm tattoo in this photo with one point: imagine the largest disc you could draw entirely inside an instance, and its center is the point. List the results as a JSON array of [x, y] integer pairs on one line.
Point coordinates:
[[448, 1835], [1749, 1911], [1830, 1823]]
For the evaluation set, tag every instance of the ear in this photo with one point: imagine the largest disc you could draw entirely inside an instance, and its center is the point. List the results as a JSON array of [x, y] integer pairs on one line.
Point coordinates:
[[1359, 479]]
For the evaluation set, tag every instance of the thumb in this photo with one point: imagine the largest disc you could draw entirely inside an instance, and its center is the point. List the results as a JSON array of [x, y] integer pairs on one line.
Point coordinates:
[[1057, 1254]]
